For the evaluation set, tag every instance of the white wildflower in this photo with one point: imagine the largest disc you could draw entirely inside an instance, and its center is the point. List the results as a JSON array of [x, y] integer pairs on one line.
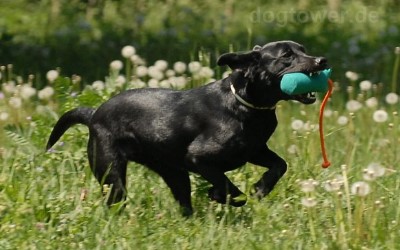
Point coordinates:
[[353, 105], [153, 83], [27, 91], [137, 83], [161, 65], [365, 85], [371, 102], [373, 171], [392, 98], [206, 72], [352, 76], [15, 102], [380, 116], [4, 116], [308, 186], [9, 87], [169, 73], [308, 201], [120, 81], [342, 120], [397, 50], [333, 185], [164, 84], [46, 93], [180, 67], [328, 112], [194, 67], [141, 71], [128, 51], [155, 73], [52, 75], [137, 60], [98, 85], [297, 124], [178, 82], [360, 188], [116, 65]]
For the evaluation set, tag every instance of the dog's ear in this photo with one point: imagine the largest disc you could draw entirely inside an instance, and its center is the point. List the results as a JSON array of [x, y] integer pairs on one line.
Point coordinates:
[[239, 60]]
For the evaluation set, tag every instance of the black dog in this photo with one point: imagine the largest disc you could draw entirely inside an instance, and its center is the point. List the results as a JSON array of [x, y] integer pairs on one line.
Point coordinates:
[[207, 130]]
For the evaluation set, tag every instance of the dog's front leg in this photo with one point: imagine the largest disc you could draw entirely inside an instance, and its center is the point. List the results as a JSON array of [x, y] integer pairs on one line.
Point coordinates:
[[223, 190], [277, 168]]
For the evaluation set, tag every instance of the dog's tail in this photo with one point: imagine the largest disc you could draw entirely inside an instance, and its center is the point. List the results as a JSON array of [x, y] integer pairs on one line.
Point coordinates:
[[76, 116]]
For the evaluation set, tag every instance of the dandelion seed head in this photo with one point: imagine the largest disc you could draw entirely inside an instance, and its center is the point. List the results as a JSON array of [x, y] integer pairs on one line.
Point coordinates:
[[178, 82], [297, 125], [120, 81], [352, 76], [15, 102], [371, 102], [137, 60], [392, 98], [377, 169], [333, 185], [9, 88], [353, 105], [194, 67], [141, 71], [365, 85], [179, 67], [4, 116], [155, 73], [27, 91], [309, 202], [170, 73], [308, 186], [161, 65], [206, 72], [342, 120], [137, 83], [116, 65], [153, 83], [98, 85], [380, 116], [360, 188], [46, 93], [52, 75], [128, 51]]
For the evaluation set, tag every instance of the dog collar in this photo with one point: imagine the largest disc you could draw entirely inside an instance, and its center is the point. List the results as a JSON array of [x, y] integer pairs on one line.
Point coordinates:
[[247, 104]]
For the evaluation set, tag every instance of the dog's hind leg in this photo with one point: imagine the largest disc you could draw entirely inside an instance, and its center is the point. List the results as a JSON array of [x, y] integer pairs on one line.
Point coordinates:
[[108, 166], [277, 168], [179, 183]]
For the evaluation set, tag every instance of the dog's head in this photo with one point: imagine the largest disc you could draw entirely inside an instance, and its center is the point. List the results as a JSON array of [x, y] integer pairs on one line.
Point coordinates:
[[263, 68]]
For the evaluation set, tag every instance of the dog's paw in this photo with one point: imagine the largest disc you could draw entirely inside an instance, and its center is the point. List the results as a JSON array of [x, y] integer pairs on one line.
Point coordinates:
[[221, 197]]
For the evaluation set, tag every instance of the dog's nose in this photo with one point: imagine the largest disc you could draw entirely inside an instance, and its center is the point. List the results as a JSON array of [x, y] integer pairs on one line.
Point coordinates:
[[321, 61]]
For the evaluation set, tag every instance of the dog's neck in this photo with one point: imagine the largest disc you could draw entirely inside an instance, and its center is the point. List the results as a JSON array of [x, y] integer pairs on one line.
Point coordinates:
[[236, 80], [246, 103]]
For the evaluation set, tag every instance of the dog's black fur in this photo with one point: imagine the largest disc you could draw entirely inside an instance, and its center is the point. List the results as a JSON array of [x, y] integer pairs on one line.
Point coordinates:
[[205, 130]]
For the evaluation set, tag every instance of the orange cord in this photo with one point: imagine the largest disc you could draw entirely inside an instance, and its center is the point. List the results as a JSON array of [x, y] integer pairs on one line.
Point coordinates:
[[326, 163]]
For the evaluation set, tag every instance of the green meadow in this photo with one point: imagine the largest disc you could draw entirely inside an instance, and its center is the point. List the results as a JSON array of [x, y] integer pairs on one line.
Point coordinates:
[[50, 199]]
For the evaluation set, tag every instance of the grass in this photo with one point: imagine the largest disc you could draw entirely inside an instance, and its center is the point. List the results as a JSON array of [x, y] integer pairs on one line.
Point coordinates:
[[50, 200]]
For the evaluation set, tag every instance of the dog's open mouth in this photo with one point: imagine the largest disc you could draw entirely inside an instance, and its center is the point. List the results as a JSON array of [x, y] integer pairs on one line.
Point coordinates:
[[307, 98]]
